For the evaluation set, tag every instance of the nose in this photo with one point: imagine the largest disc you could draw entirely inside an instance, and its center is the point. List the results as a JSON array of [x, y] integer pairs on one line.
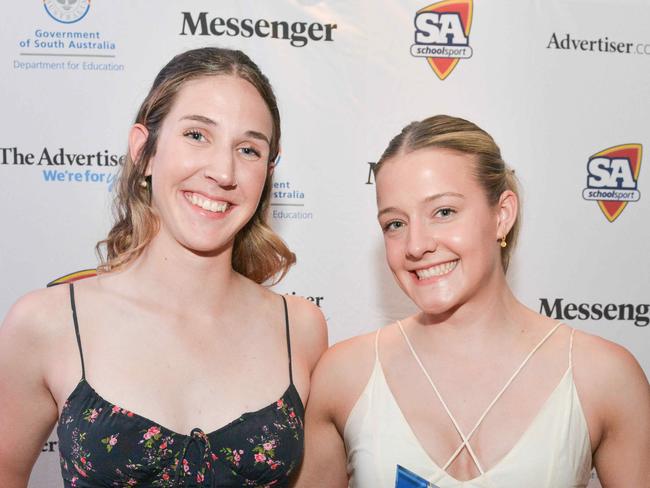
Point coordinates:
[[421, 239], [221, 168]]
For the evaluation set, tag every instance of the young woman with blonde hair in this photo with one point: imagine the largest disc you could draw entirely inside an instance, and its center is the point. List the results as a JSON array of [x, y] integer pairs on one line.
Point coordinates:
[[475, 390]]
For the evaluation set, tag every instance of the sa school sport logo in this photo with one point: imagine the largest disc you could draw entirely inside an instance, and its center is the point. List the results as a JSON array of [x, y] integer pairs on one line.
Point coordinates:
[[67, 11], [612, 178], [442, 34]]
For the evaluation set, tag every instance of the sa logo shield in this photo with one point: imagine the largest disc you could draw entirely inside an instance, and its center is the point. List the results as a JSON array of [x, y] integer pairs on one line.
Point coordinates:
[[442, 34], [612, 178]]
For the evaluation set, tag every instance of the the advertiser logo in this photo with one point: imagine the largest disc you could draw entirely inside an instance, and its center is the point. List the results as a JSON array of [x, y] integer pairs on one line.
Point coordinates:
[[288, 199], [57, 44], [298, 34], [569, 42], [612, 178], [442, 34], [67, 11], [60, 166], [559, 309]]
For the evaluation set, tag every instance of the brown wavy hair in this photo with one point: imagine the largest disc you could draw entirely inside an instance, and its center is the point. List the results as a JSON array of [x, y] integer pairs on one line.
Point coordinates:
[[258, 252], [492, 173]]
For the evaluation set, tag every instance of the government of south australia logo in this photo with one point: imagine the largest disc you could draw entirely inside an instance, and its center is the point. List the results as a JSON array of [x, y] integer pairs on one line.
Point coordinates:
[[67, 11], [612, 178], [442, 34]]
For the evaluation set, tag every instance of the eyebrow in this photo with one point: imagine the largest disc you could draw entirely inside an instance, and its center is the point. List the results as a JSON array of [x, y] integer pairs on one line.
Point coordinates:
[[208, 121], [428, 199]]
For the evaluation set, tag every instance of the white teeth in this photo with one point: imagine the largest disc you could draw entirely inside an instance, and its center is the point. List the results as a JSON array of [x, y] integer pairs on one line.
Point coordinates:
[[206, 203], [438, 270]]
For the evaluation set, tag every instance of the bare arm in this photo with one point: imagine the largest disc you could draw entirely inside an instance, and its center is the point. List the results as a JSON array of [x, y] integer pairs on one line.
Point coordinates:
[[337, 383], [618, 394], [28, 411], [324, 463]]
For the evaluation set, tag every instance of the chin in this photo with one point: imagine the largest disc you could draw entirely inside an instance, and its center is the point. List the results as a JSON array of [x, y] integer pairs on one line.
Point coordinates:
[[435, 303]]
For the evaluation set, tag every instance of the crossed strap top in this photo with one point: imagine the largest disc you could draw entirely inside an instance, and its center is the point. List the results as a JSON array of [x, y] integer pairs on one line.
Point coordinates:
[[553, 452], [104, 445]]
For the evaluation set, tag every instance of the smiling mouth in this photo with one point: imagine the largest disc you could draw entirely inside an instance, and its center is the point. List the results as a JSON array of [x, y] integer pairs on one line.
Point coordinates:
[[206, 203], [437, 270]]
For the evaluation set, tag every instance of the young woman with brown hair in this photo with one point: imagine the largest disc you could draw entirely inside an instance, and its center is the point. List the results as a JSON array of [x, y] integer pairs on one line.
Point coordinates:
[[149, 366]]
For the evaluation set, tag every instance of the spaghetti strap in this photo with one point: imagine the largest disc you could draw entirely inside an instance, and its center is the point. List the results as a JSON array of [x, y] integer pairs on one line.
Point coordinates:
[[377, 345], [286, 323], [571, 348], [465, 438], [76, 331]]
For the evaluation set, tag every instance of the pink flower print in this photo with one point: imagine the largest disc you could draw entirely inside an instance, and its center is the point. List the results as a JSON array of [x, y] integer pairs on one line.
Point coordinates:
[[151, 432], [132, 482], [90, 415], [80, 471], [260, 458], [199, 477], [165, 476], [291, 414], [214, 456], [237, 455], [163, 445], [115, 409], [280, 403], [186, 466], [268, 445], [112, 441]]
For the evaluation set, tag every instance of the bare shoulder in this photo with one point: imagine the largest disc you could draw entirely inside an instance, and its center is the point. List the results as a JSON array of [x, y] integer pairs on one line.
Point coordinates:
[[38, 314], [605, 360], [342, 374], [608, 376], [308, 327]]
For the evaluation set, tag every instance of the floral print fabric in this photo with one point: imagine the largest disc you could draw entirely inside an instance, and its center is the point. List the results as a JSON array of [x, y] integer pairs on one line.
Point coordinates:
[[103, 445]]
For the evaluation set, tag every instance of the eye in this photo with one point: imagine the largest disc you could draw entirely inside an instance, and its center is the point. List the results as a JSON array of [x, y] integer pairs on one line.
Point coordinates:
[[445, 212], [393, 225], [250, 152], [195, 135]]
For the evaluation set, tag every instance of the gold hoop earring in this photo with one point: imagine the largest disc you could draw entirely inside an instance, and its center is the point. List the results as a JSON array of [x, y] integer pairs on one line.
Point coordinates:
[[502, 242]]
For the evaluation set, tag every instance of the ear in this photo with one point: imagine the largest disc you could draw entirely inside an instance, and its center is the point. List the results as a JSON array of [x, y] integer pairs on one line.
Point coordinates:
[[506, 213], [138, 136], [274, 163]]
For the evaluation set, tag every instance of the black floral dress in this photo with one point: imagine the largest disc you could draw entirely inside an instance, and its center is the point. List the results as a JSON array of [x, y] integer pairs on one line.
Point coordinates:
[[103, 445]]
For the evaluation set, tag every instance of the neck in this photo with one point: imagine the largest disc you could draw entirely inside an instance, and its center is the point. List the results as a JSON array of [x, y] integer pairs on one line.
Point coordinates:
[[491, 313], [167, 273]]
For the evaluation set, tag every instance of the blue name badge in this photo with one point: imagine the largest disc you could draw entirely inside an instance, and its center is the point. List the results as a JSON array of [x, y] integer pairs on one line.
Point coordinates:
[[408, 479]]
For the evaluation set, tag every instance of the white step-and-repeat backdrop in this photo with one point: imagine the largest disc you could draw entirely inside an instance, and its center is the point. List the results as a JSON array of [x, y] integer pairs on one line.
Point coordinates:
[[562, 85]]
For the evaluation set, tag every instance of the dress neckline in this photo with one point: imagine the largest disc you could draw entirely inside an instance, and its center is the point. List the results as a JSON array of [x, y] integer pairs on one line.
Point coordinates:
[[378, 371], [85, 385]]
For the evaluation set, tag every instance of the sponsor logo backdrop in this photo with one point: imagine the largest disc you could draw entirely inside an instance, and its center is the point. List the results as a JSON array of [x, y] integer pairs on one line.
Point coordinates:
[[562, 87]]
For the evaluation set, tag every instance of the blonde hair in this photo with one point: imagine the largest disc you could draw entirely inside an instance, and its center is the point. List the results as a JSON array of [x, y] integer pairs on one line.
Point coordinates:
[[492, 173], [258, 252]]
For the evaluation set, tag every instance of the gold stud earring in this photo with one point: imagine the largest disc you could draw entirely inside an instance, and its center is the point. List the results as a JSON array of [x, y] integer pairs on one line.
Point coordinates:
[[502, 242], [143, 183]]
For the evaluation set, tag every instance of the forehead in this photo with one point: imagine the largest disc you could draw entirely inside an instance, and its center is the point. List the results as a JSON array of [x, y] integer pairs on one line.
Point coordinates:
[[424, 172], [221, 95]]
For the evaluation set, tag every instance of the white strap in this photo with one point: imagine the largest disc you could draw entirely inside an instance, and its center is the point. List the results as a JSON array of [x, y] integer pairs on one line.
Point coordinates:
[[377, 345], [449, 414], [465, 439]]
